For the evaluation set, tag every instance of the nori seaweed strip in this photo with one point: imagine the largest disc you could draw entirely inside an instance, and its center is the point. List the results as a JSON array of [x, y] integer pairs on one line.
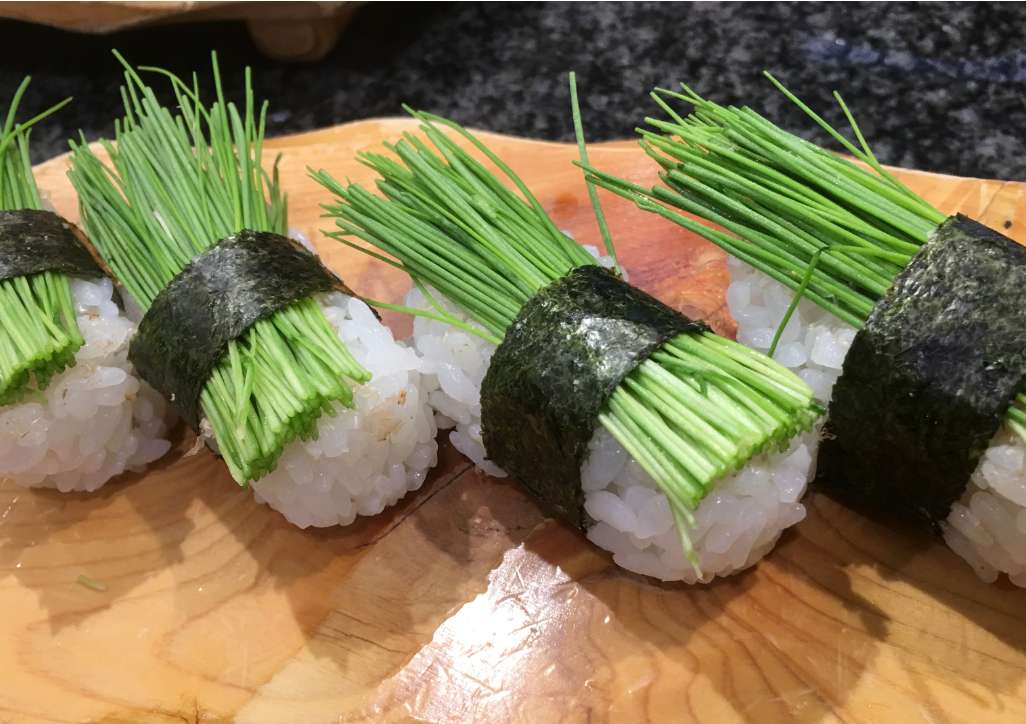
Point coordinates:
[[217, 297], [34, 241], [569, 348], [928, 379]]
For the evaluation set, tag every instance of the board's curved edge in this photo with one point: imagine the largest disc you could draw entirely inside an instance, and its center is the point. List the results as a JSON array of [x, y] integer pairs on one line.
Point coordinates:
[[393, 126], [374, 129]]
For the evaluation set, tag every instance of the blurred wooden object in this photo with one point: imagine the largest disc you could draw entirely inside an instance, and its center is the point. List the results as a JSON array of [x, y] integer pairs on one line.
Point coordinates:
[[297, 31]]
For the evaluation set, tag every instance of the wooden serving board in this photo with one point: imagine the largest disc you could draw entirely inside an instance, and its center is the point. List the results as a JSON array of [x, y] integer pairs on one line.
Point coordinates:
[[464, 603]]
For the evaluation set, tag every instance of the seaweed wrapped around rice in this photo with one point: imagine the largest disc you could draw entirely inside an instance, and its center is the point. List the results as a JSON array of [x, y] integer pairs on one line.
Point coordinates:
[[264, 352], [73, 411], [681, 452], [909, 321]]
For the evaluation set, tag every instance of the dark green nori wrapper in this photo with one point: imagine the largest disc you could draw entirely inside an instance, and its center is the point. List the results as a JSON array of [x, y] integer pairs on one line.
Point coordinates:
[[929, 378], [215, 299], [568, 349], [34, 241]]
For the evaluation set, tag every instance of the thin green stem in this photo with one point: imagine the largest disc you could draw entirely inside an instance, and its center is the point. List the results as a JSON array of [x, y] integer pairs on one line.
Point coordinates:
[[582, 149]]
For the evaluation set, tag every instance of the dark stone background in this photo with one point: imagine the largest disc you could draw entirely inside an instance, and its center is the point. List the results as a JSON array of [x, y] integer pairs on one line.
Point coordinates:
[[935, 86]]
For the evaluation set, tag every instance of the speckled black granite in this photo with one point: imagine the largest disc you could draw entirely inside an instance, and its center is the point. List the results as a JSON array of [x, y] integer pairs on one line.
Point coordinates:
[[936, 86]]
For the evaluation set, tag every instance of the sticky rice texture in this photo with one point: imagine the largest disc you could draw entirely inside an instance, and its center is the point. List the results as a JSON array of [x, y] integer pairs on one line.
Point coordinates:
[[367, 457], [736, 524], [987, 527], [94, 420]]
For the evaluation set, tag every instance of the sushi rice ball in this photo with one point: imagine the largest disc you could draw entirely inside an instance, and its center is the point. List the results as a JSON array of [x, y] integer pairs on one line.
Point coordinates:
[[736, 524], [367, 457], [93, 421], [987, 527]]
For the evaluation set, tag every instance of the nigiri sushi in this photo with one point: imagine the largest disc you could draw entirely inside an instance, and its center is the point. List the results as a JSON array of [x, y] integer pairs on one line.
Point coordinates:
[[679, 451], [265, 353], [909, 321], [73, 412]]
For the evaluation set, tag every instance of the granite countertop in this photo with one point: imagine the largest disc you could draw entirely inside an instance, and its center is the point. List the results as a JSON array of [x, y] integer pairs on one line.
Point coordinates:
[[935, 86]]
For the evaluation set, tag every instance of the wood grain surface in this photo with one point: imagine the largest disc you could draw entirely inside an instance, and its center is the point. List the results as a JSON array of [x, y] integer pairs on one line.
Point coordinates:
[[463, 603]]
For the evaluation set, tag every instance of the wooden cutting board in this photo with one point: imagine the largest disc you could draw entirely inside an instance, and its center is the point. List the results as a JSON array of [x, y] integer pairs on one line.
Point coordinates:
[[463, 603]]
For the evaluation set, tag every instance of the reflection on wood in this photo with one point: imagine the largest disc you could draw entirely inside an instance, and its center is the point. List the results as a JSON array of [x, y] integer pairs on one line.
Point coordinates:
[[463, 603]]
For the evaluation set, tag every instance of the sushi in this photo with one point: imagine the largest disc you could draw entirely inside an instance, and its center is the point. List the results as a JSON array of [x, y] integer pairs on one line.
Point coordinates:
[[682, 453], [910, 322], [73, 412], [266, 354]]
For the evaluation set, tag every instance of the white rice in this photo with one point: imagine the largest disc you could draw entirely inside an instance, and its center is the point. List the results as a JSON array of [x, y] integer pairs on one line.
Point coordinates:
[[987, 527], [736, 524], [94, 420], [364, 458]]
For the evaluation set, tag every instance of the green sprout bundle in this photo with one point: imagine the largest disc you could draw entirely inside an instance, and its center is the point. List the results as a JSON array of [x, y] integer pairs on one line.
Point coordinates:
[[555, 370], [39, 335], [928, 418]]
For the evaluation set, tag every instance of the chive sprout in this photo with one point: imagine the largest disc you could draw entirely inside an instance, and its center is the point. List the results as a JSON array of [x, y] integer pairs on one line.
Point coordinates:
[[177, 184], [91, 583], [831, 230]]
